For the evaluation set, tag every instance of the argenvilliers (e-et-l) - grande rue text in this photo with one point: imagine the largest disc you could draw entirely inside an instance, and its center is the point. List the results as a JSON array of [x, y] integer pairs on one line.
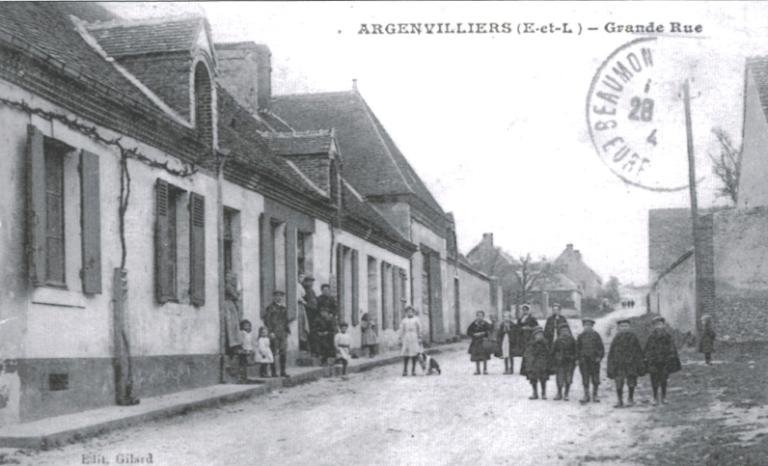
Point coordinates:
[[672, 27]]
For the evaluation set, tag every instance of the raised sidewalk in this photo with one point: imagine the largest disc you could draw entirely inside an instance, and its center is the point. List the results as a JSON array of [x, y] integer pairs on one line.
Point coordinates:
[[53, 431]]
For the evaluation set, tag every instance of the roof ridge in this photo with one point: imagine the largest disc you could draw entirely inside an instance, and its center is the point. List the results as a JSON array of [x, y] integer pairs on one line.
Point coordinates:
[[150, 21], [305, 94], [296, 134]]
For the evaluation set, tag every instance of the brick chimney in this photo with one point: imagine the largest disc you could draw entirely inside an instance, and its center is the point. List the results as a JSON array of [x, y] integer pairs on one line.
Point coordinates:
[[245, 71], [578, 254], [569, 246]]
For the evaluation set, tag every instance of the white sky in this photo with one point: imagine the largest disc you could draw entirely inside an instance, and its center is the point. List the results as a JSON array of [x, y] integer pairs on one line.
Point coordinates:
[[495, 124]]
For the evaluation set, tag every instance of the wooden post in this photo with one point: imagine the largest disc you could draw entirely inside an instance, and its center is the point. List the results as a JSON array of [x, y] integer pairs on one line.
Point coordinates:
[[697, 249]]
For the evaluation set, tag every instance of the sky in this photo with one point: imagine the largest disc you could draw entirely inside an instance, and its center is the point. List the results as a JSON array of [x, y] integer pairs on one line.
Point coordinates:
[[495, 124]]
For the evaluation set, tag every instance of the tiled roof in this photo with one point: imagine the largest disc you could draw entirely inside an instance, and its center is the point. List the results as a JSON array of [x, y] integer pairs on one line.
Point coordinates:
[[240, 133], [48, 28], [303, 143], [165, 75], [121, 38], [758, 67], [360, 210], [556, 282], [371, 159]]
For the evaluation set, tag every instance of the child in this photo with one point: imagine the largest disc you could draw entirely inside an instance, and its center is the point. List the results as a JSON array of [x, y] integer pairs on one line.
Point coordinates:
[[326, 328], [661, 358], [625, 362], [264, 352], [507, 337], [590, 351], [479, 330], [369, 337], [246, 351], [342, 342], [536, 363], [564, 359], [707, 342]]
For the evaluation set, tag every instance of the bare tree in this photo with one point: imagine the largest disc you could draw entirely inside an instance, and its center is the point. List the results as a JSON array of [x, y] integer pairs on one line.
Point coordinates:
[[530, 273], [726, 165]]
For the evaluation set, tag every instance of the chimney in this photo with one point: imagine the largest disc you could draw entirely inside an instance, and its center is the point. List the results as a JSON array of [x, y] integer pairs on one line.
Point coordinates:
[[578, 254], [245, 71], [488, 239], [569, 246], [354, 84]]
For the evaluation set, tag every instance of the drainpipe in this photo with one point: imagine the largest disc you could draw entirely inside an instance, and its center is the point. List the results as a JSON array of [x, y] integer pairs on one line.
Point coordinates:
[[220, 158]]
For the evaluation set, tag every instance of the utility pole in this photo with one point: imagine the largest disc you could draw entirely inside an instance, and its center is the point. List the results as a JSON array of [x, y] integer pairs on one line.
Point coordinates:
[[697, 249]]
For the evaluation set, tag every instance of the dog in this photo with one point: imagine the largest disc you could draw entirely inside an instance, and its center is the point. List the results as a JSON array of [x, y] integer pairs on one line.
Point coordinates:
[[428, 364]]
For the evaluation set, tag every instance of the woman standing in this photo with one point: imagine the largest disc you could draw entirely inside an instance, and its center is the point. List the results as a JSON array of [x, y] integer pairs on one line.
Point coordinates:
[[508, 335], [410, 339], [479, 330]]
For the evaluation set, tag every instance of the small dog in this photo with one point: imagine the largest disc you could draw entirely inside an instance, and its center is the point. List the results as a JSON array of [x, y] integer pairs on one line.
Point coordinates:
[[428, 364]]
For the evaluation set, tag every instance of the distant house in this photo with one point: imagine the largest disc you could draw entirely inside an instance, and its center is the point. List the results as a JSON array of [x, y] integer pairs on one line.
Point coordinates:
[[555, 288], [571, 264], [494, 261]]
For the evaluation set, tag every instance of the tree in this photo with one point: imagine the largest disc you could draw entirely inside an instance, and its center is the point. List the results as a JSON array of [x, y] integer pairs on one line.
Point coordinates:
[[726, 165], [610, 291], [529, 273]]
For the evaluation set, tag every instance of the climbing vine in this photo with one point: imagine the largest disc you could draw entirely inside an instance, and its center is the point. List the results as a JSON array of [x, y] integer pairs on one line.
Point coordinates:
[[126, 153]]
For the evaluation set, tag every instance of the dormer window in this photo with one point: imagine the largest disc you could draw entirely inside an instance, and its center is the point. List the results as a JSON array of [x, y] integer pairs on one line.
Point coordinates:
[[203, 104]]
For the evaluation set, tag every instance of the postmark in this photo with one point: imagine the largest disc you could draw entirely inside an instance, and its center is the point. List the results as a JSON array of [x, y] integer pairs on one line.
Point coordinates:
[[635, 115]]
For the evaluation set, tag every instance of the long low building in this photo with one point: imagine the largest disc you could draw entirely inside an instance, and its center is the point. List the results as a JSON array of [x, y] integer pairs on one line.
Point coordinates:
[[136, 180]]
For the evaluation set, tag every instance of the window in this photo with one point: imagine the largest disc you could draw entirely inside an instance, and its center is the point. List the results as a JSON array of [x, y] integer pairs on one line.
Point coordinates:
[[229, 239], [348, 283], [50, 174], [54, 214], [179, 245], [203, 104]]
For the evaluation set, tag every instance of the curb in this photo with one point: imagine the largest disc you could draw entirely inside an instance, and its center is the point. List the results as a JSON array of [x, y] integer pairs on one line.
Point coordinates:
[[77, 434]]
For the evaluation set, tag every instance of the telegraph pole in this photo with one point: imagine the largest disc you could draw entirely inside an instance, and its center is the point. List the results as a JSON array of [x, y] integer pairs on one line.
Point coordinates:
[[697, 249]]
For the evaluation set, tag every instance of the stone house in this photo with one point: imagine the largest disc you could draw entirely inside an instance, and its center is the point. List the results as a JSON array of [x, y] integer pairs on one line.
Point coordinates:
[[137, 180], [733, 285], [571, 264], [494, 261]]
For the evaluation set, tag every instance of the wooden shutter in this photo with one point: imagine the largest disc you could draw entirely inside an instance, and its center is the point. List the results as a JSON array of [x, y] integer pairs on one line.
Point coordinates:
[[163, 288], [436, 300], [291, 271], [355, 271], [90, 219], [197, 249], [36, 206], [396, 304], [340, 291], [384, 292]]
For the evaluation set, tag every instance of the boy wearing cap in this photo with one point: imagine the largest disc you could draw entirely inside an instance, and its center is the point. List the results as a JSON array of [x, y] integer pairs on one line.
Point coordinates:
[[554, 323], [625, 362], [276, 319], [661, 358], [536, 363], [564, 360], [590, 351]]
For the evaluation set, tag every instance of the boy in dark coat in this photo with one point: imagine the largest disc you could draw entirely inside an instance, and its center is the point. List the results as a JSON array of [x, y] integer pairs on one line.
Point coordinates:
[[590, 351], [553, 324], [625, 362], [707, 342], [564, 360], [661, 358], [536, 363]]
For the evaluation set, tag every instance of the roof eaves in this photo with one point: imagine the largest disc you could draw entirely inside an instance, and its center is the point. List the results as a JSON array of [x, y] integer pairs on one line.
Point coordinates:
[[94, 44]]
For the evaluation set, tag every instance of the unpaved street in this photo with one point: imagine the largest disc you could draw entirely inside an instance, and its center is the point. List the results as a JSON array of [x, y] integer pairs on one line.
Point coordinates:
[[380, 417]]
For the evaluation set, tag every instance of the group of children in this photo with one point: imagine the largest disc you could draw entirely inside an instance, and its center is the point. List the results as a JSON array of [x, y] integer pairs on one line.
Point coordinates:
[[554, 351]]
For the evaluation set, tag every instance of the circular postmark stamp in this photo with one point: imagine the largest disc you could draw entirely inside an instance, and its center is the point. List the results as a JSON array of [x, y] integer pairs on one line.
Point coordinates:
[[636, 118]]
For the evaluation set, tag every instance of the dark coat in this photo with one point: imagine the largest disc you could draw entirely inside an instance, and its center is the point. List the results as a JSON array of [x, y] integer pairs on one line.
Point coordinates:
[[325, 330], [276, 320], [537, 361], [564, 351], [327, 303], [625, 357], [514, 334], [476, 349], [552, 327], [589, 346], [707, 341], [526, 324], [660, 352]]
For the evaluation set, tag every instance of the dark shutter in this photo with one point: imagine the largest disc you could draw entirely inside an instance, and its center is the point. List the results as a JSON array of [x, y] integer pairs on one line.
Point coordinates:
[[396, 304], [90, 218], [36, 206], [267, 261], [436, 300], [385, 316], [355, 271], [340, 291], [291, 271], [163, 288], [196, 249]]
